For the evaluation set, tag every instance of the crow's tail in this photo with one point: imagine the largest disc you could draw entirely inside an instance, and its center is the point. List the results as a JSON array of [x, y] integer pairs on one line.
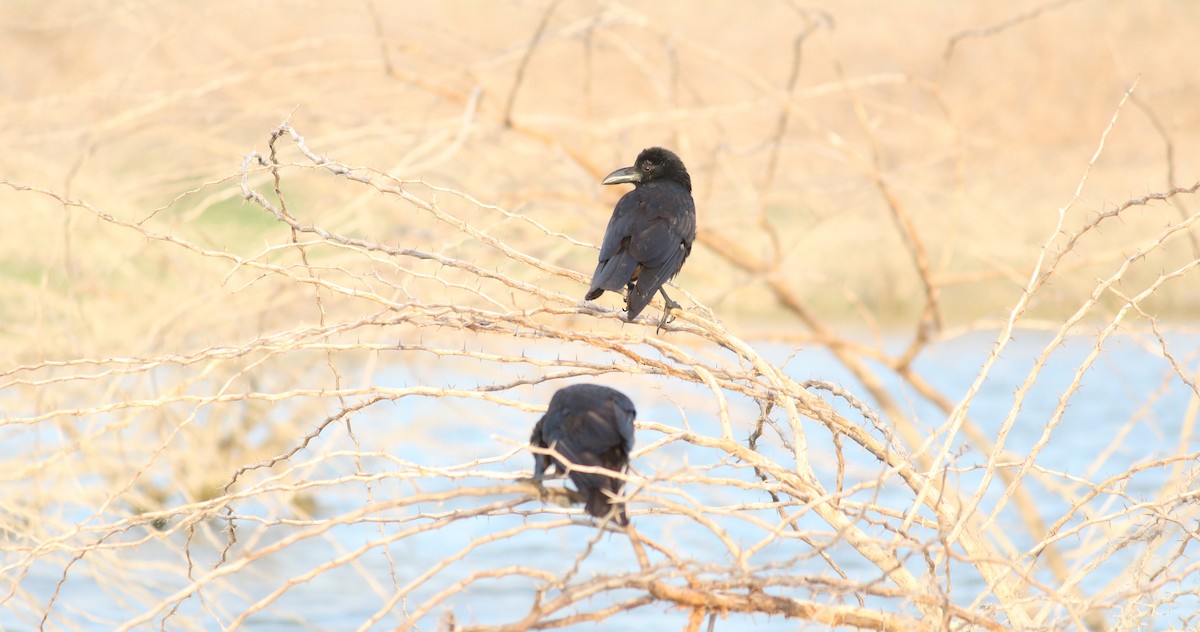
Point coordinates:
[[612, 275], [598, 505]]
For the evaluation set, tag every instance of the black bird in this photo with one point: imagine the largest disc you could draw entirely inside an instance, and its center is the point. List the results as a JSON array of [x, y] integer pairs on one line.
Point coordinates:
[[650, 233], [591, 425]]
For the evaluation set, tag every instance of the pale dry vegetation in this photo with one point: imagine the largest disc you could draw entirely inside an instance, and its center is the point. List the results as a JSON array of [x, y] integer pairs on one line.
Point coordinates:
[[276, 375]]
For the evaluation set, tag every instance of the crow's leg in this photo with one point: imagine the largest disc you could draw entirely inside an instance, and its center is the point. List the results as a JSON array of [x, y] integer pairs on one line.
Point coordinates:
[[666, 317], [539, 475], [546, 467]]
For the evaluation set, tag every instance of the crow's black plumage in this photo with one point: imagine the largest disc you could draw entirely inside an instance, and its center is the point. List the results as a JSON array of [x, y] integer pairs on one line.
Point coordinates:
[[650, 233], [591, 425]]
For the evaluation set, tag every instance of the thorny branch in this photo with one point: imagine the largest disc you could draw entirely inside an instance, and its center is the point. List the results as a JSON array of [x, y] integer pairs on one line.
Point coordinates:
[[754, 492], [789, 489]]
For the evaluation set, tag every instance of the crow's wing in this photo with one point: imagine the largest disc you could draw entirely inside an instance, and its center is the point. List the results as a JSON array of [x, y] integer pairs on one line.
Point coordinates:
[[625, 414], [620, 225], [666, 219], [650, 279], [661, 241], [616, 266], [593, 438], [547, 423], [612, 274]]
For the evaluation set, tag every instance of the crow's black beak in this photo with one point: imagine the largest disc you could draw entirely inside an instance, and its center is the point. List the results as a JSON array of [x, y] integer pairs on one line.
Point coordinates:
[[621, 176]]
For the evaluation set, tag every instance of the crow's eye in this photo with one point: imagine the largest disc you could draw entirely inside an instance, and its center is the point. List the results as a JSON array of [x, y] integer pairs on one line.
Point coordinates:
[[646, 167]]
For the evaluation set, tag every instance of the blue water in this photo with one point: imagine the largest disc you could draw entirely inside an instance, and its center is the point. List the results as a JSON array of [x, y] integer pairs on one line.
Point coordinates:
[[1129, 380]]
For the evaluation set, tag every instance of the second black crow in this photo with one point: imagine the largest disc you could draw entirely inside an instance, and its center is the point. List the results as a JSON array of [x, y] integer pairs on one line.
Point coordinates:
[[650, 233], [591, 425]]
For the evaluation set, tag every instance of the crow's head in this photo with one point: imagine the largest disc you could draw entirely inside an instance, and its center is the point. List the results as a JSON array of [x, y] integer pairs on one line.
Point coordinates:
[[652, 164]]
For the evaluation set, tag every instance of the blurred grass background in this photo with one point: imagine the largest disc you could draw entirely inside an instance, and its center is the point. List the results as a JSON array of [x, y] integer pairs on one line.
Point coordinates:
[[980, 117], [148, 351]]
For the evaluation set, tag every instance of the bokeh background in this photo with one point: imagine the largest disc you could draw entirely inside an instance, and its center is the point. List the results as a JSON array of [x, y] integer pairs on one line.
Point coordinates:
[[872, 179], [980, 118]]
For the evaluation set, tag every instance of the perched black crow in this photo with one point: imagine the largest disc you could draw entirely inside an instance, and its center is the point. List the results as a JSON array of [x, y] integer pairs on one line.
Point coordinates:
[[650, 233], [589, 425]]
